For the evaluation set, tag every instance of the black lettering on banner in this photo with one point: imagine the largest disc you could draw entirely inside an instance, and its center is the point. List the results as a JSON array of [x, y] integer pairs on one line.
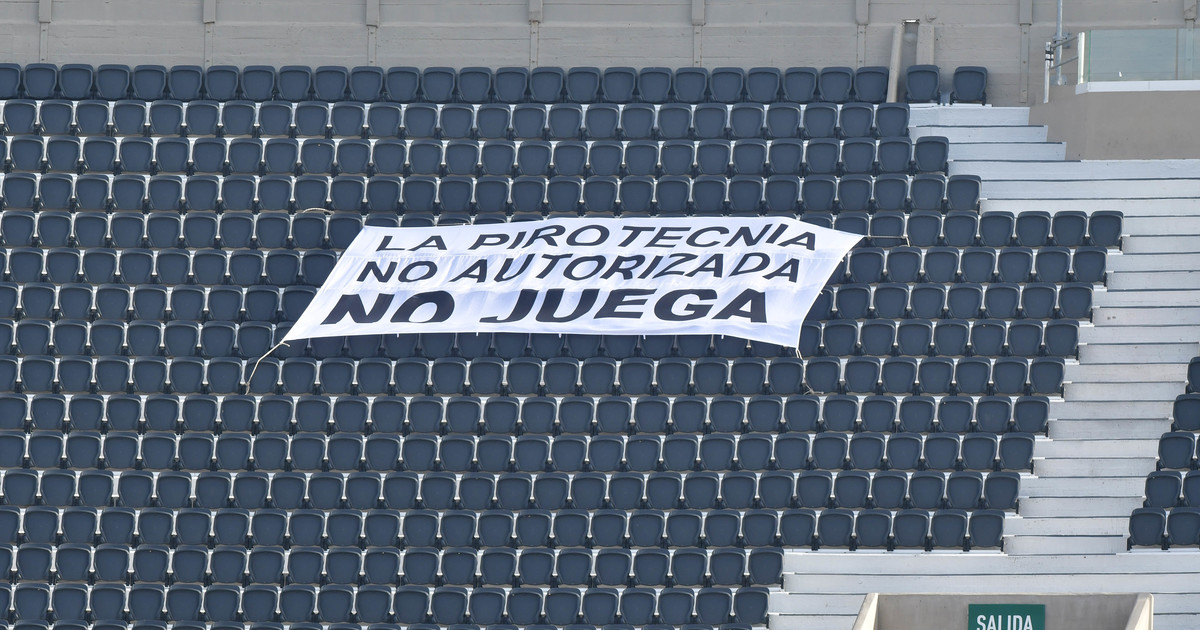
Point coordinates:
[[666, 236], [624, 266], [713, 265], [747, 237], [517, 241], [808, 239], [692, 239], [789, 270], [434, 241], [372, 268], [351, 304], [500, 275], [623, 297], [762, 261], [546, 233], [573, 266], [442, 301], [634, 232], [525, 300], [777, 233], [553, 258], [429, 267], [665, 311], [679, 260], [750, 304], [383, 245], [601, 235], [489, 240], [477, 271], [550, 304], [650, 268]]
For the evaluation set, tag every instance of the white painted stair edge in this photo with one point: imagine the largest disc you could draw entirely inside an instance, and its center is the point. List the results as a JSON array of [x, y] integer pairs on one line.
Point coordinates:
[[1071, 530]]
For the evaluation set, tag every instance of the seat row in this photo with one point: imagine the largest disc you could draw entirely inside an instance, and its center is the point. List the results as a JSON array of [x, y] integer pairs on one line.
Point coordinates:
[[265, 304], [210, 267], [493, 531], [220, 337], [312, 452], [507, 416], [1177, 450], [1186, 413], [451, 566], [946, 337], [982, 264], [409, 605], [493, 197], [1156, 527], [1173, 488], [478, 84], [312, 230], [201, 119], [1000, 300], [526, 376], [147, 301], [285, 156], [557, 492]]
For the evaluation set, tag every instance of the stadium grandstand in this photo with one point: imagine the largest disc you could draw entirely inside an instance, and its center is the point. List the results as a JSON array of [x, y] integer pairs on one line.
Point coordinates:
[[993, 402]]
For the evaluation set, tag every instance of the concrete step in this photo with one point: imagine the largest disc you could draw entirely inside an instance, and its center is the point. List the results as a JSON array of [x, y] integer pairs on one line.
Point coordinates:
[[1156, 280], [1089, 189], [1011, 151], [1049, 581], [927, 115], [1159, 297], [1139, 429], [812, 622], [1069, 486], [1113, 507], [1145, 315], [1175, 603], [1119, 266], [1136, 353], [1124, 447], [1166, 244], [1043, 526], [1090, 571], [1161, 226], [815, 604], [1133, 390], [1094, 466], [1122, 372], [1167, 206], [1085, 410], [1058, 545], [980, 133], [1089, 333], [1085, 169]]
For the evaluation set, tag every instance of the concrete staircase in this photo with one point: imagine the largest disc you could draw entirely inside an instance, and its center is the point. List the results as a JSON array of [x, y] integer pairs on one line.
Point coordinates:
[[1103, 436]]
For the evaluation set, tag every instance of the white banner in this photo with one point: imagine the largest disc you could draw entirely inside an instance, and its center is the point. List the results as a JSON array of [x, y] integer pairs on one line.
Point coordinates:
[[747, 277]]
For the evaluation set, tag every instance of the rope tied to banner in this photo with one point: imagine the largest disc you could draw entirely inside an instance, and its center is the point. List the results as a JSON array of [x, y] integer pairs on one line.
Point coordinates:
[[275, 347], [255, 369]]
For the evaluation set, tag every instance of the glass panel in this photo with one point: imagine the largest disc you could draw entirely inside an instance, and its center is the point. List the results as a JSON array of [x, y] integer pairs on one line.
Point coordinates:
[[1140, 55]]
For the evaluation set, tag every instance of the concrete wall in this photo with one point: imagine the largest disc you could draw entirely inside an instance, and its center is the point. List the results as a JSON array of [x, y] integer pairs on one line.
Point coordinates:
[[949, 611], [1101, 125], [1007, 36]]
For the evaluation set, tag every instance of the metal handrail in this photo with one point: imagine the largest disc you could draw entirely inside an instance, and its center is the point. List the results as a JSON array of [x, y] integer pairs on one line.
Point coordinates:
[[1055, 62]]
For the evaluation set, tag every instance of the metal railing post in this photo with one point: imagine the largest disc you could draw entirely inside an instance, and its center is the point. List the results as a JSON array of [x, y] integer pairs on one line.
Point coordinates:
[[1046, 73]]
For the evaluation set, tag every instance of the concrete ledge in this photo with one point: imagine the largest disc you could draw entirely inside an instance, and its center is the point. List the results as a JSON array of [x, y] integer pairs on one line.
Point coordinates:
[[948, 611], [1100, 87]]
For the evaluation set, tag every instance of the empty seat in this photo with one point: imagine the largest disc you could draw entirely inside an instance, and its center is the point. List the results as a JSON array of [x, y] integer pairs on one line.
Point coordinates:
[[923, 84], [970, 84]]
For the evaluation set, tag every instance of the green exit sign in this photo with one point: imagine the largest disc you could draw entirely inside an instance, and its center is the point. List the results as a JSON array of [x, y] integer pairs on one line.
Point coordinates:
[[1006, 617]]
